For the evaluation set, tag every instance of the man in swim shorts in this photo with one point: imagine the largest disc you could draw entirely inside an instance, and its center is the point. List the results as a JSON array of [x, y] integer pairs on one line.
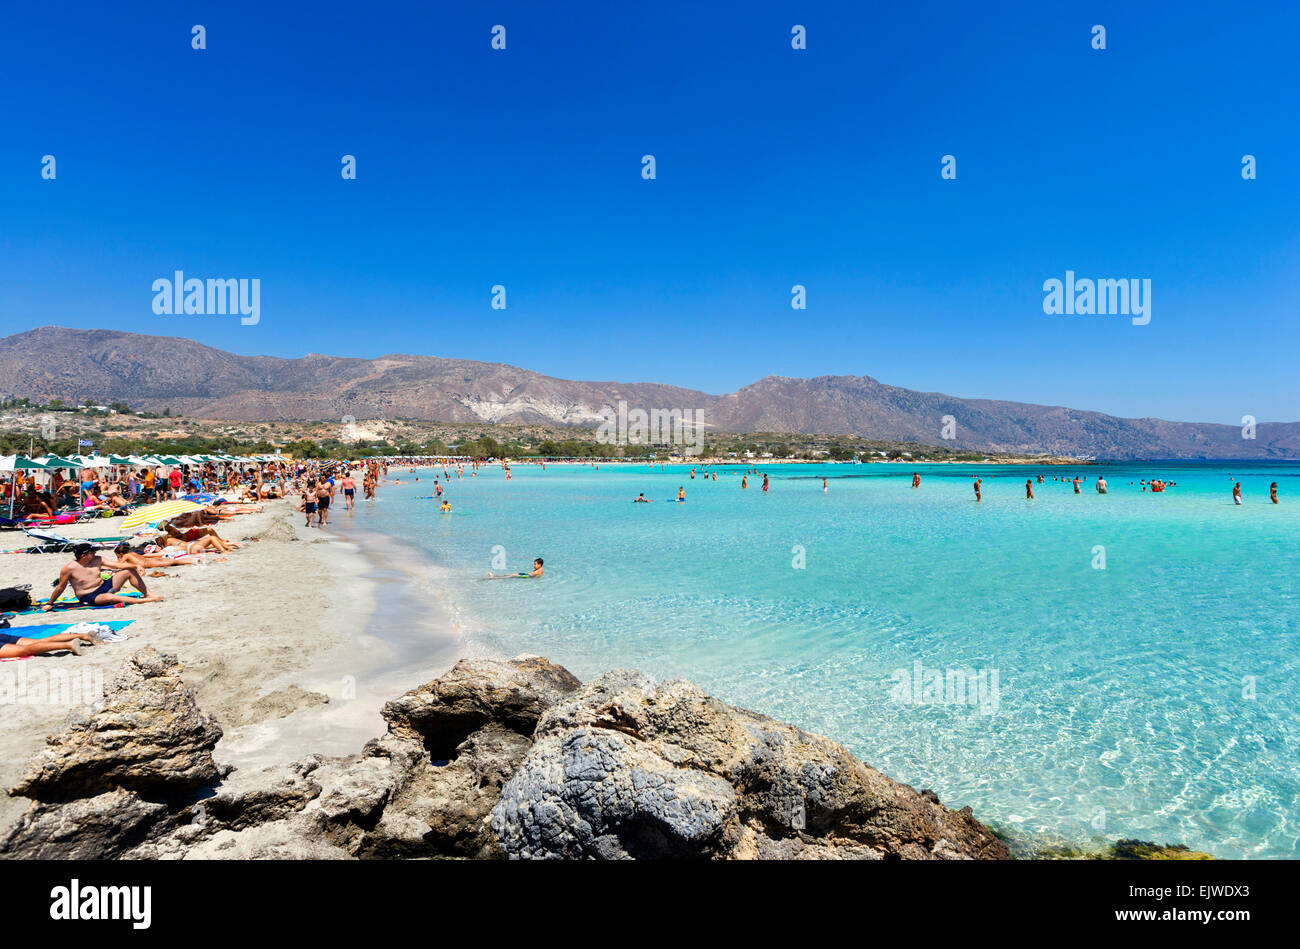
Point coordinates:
[[349, 492], [90, 588]]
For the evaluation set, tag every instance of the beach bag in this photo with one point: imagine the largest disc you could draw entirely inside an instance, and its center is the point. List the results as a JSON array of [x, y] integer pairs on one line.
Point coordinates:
[[14, 600]]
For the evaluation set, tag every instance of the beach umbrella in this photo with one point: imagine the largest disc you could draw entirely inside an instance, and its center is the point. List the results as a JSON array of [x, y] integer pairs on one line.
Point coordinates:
[[16, 463], [20, 463], [156, 512]]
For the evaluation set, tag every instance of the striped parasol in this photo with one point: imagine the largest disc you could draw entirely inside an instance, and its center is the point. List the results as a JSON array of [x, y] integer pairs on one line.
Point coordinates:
[[156, 512]]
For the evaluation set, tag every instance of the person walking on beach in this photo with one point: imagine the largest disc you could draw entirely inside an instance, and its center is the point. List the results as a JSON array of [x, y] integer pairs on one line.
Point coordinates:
[[1029, 489], [349, 492], [1236, 493], [323, 492], [309, 502]]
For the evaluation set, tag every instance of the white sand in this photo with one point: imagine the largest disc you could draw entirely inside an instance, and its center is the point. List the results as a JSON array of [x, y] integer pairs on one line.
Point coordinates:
[[258, 635]]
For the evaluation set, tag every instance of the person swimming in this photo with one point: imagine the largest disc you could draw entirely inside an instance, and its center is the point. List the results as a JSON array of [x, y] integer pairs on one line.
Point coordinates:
[[535, 574], [641, 499]]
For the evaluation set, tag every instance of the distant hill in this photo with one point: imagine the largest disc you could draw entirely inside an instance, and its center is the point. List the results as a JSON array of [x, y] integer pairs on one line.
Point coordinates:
[[157, 372]]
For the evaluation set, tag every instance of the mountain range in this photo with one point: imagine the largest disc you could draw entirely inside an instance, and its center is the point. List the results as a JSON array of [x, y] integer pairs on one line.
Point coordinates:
[[159, 372]]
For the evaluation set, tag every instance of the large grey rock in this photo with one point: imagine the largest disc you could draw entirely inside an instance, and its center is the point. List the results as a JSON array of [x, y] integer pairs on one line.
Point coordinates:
[[148, 736], [627, 767]]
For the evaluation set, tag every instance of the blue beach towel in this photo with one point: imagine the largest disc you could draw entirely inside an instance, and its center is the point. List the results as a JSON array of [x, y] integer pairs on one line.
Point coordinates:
[[53, 629]]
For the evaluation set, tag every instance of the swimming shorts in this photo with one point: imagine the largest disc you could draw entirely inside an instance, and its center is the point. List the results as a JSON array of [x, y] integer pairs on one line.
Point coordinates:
[[89, 598], [311, 507], [349, 492], [8, 640], [322, 504]]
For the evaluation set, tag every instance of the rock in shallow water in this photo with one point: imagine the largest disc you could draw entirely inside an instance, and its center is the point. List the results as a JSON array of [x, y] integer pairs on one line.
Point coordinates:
[[630, 768], [493, 759]]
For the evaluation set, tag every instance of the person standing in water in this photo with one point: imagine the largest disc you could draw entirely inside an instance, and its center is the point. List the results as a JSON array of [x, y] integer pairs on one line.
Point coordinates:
[[976, 486], [1236, 493], [764, 484], [1029, 489], [916, 480], [825, 487], [744, 481], [1076, 485], [1272, 492], [1101, 485], [681, 494]]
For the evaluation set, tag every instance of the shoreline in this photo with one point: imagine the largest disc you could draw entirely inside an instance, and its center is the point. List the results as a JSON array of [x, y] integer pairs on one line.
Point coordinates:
[[328, 630]]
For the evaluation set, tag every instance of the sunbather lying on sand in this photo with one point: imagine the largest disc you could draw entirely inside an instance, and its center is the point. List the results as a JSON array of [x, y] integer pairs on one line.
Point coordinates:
[[91, 589], [195, 534], [141, 557], [208, 542], [13, 646]]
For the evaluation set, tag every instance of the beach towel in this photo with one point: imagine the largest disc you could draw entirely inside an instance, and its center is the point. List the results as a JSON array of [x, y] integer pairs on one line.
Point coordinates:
[[69, 602], [45, 630]]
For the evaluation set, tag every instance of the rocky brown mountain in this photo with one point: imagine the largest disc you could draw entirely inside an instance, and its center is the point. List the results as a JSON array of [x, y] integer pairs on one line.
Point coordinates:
[[157, 372]]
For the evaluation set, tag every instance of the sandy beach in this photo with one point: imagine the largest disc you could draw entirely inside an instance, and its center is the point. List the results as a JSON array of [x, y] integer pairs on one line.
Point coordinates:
[[293, 644]]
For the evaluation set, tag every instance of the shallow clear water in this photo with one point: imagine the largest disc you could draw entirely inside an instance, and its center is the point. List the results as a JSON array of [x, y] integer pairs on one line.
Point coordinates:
[[1155, 698]]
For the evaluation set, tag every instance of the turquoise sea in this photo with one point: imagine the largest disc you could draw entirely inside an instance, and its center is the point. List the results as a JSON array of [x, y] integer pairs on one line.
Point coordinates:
[[1109, 666]]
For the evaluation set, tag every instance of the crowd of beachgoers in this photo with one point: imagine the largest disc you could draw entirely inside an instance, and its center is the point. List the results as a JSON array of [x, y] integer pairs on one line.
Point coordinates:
[[154, 518]]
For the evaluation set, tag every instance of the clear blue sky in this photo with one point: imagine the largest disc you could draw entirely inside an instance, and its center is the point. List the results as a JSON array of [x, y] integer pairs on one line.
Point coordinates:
[[775, 167]]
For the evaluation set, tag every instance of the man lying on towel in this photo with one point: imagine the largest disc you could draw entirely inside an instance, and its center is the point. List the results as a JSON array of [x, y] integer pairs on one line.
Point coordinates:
[[90, 588]]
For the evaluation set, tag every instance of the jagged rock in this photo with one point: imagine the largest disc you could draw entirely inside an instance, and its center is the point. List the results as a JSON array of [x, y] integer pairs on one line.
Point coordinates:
[[148, 736], [630, 768], [93, 828], [278, 840], [476, 692], [442, 809]]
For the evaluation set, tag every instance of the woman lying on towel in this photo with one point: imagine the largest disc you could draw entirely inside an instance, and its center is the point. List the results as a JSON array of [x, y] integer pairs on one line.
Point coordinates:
[[149, 556]]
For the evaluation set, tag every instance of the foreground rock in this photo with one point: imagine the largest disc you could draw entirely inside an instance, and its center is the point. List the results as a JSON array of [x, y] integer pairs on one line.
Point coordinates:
[[631, 768], [118, 774], [493, 759]]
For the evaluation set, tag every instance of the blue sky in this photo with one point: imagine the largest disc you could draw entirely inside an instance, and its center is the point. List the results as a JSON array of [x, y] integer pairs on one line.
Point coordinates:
[[775, 167]]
